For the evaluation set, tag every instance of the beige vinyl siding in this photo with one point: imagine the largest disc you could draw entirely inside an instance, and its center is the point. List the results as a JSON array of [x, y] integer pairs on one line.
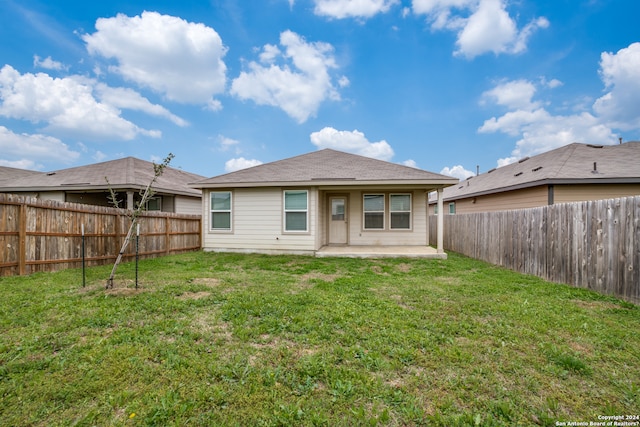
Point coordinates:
[[187, 205], [584, 192], [257, 224], [417, 235], [58, 196], [518, 199]]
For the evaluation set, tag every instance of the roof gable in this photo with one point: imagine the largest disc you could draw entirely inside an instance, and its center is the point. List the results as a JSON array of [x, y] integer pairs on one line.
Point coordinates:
[[324, 166], [573, 163]]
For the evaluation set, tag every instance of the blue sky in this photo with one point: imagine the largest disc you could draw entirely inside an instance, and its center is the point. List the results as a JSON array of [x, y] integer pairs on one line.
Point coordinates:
[[443, 85]]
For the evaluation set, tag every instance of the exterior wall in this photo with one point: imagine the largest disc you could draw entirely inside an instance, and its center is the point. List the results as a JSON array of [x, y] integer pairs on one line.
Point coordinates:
[[539, 196], [358, 236], [586, 192], [257, 224], [57, 196], [518, 199], [96, 199], [187, 205]]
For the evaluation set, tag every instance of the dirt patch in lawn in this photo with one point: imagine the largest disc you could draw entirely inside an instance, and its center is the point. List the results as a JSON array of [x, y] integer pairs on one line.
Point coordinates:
[[595, 305], [207, 281], [193, 295], [124, 292]]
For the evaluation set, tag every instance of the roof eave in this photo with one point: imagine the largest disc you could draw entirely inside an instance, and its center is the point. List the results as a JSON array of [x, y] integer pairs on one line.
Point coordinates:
[[434, 183], [96, 188]]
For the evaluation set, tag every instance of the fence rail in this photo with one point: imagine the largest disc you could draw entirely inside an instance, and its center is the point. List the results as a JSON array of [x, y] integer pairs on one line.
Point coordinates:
[[42, 235], [593, 245]]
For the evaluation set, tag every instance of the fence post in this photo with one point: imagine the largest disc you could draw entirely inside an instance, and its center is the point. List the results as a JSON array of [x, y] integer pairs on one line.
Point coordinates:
[[167, 235], [22, 238]]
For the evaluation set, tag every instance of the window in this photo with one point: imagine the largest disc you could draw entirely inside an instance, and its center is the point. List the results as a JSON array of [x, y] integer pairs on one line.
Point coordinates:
[[374, 211], [452, 208], [400, 211], [295, 210], [154, 204], [221, 210], [337, 209]]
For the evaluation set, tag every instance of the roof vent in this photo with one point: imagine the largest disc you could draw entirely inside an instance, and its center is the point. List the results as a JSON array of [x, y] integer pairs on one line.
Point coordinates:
[[595, 146], [523, 160], [491, 170], [50, 173], [536, 169], [518, 174]]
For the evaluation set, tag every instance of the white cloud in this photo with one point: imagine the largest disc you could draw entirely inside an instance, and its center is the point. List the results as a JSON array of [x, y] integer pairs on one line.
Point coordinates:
[[99, 156], [226, 143], [551, 84], [482, 26], [457, 172], [411, 163], [24, 149], [20, 164], [240, 163], [539, 130], [132, 100], [48, 63], [620, 73], [513, 94], [341, 9], [66, 105], [343, 81], [179, 59], [299, 86], [351, 141]]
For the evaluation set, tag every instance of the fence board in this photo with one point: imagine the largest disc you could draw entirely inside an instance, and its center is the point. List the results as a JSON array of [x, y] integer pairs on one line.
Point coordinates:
[[40, 235], [593, 245]]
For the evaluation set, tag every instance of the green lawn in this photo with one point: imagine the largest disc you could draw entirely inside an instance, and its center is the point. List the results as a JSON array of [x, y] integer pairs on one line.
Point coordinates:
[[230, 339]]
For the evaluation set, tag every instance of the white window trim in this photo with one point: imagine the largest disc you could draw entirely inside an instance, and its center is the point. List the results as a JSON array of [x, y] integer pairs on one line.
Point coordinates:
[[285, 211], [384, 212], [410, 211], [211, 211]]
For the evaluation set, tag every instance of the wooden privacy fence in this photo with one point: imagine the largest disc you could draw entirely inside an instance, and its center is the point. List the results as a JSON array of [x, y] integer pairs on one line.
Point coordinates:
[[42, 235], [593, 245]]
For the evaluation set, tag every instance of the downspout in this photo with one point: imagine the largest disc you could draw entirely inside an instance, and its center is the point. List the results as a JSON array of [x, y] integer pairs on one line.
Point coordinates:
[[440, 222]]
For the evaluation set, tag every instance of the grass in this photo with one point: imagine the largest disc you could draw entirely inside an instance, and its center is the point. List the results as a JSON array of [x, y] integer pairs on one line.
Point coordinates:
[[230, 339]]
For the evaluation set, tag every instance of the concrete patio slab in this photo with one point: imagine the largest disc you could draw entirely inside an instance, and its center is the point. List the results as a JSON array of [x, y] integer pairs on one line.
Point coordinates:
[[380, 252]]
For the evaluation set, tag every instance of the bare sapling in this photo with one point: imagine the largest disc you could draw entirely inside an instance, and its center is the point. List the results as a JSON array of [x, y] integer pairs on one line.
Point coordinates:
[[133, 214]]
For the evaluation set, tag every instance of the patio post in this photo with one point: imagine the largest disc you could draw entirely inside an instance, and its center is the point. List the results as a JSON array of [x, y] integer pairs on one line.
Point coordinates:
[[440, 223]]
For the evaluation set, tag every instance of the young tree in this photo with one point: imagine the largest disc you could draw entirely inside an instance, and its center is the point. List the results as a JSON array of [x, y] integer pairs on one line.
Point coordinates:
[[135, 213]]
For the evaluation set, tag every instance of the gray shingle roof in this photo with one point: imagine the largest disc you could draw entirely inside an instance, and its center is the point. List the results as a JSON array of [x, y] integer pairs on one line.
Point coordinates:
[[326, 167], [8, 175], [127, 173], [573, 163]]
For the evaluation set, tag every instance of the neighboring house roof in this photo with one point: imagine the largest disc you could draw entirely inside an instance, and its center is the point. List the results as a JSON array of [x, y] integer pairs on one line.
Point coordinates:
[[123, 174], [8, 175], [327, 167], [572, 164]]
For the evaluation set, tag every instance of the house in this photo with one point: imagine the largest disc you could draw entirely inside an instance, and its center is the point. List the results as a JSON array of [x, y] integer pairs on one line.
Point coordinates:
[[128, 177], [573, 173], [316, 202]]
